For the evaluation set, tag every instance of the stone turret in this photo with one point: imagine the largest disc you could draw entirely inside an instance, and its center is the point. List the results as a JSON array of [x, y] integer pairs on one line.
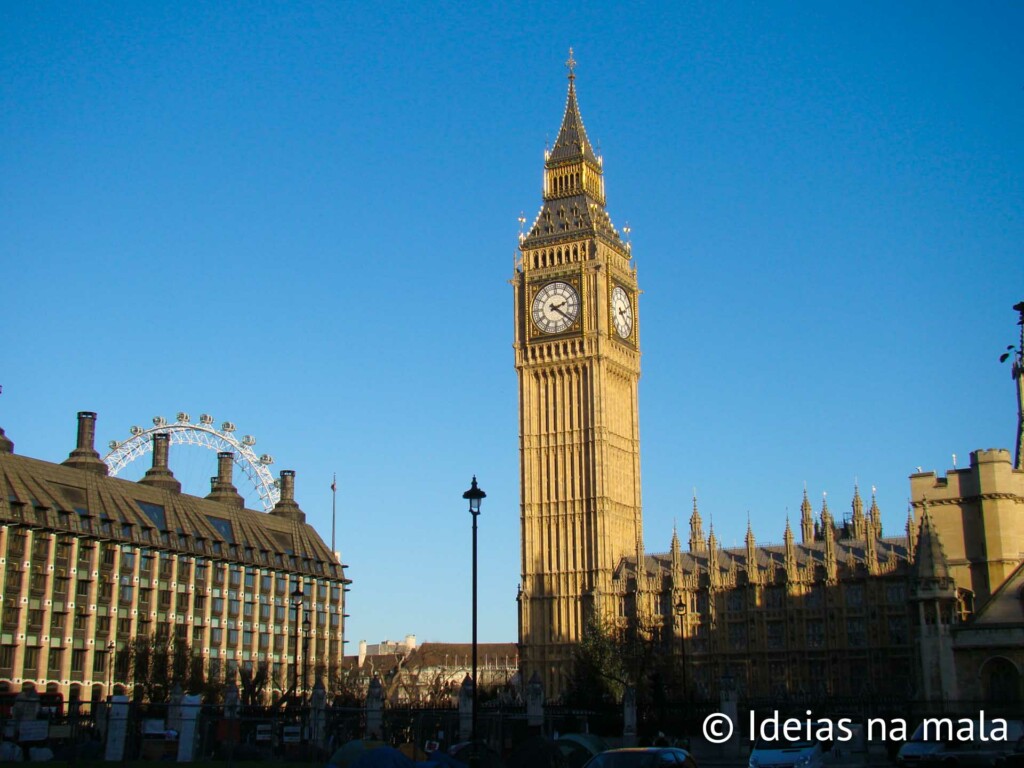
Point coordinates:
[[159, 475], [85, 456], [934, 594]]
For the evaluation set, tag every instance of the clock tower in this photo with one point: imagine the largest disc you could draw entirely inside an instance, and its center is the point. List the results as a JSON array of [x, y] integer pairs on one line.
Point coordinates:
[[577, 355]]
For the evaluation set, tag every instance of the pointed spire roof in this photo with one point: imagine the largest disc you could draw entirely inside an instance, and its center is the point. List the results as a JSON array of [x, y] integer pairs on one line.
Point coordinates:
[[574, 198], [572, 142], [875, 516], [929, 559], [806, 520], [911, 532], [696, 527]]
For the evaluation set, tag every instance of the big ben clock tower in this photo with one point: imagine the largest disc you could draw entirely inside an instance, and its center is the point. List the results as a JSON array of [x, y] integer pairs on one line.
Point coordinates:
[[577, 355]]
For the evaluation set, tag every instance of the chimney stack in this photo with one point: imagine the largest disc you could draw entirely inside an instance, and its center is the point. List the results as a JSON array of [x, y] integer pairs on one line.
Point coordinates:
[[160, 475], [84, 456], [6, 445], [222, 488], [287, 507]]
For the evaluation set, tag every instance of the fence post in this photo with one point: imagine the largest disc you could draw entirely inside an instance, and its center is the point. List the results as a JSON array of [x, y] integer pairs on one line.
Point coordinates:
[[117, 728], [188, 734], [466, 710], [629, 717], [318, 705], [374, 715], [535, 704]]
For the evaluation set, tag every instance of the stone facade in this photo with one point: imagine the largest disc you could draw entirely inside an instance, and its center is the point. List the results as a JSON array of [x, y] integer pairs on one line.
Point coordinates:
[[578, 360], [88, 563]]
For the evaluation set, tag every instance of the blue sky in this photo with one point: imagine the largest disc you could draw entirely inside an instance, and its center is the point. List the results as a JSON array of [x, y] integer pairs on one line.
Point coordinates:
[[302, 218]]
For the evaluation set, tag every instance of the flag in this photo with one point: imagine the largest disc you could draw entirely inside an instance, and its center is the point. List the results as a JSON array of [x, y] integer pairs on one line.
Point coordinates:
[[334, 486]]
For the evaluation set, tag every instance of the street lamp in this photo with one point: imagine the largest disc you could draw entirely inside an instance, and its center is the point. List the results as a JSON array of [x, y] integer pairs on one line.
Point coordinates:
[[305, 656], [297, 604], [681, 613], [111, 650], [475, 495]]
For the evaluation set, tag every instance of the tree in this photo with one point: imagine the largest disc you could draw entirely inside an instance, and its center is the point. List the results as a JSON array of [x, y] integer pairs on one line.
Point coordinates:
[[609, 658], [599, 671]]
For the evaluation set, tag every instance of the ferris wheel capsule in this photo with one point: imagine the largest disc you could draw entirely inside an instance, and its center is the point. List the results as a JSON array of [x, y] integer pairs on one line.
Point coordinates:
[[136, 430], [266, 458], [249, 440], [228, 426], [159, 421], [205, 418], [183, 418], [113, 445]]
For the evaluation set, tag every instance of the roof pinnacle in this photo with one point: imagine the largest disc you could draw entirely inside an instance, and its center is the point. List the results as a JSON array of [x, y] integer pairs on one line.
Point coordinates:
[[571, 65]]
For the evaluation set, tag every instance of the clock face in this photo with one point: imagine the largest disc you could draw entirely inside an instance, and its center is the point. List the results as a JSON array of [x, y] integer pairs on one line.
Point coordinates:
[[556, 307], [622, 313]]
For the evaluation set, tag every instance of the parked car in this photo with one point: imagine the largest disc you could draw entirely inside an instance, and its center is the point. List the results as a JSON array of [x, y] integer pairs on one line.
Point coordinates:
[[917, 748], [642, 757], [982, 751], [1015, 759], [786, 753]]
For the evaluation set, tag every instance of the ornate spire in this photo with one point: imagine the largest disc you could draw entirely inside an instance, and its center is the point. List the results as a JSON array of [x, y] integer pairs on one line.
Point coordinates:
[[696, 528], [753, 573], [911, 532], [790, 552], [714, 574], [574, 199], [676, 553], [874, 516], [859, 526], [806, 520], [828, 533], [572, 143]]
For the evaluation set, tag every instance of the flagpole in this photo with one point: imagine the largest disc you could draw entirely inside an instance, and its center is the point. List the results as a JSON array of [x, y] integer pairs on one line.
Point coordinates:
[[334, 507]]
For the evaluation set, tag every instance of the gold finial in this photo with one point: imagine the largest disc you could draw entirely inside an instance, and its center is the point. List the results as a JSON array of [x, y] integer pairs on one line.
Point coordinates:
[[571, 64], [522, 223]]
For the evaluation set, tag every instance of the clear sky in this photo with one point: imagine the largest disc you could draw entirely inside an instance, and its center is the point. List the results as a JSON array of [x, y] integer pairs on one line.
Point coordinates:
[[302, 218]]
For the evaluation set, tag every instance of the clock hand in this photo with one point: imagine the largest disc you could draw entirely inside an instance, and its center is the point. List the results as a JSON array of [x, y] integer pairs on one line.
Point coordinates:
[[558, 309]]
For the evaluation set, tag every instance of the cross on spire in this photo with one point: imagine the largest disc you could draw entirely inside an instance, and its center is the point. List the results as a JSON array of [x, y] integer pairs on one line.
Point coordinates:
[[571, 64]]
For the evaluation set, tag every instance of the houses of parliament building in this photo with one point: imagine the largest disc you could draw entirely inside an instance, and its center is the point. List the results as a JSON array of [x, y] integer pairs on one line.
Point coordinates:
[[841, 607]]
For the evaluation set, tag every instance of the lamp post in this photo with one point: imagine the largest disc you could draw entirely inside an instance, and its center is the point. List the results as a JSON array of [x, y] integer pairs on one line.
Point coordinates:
[[305, 656], [474, 495], [111, 650], [297, 604], [681, 613]]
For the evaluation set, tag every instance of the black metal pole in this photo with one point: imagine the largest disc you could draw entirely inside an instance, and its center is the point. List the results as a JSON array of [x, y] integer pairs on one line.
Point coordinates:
[[295, 654], [474, 757]]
